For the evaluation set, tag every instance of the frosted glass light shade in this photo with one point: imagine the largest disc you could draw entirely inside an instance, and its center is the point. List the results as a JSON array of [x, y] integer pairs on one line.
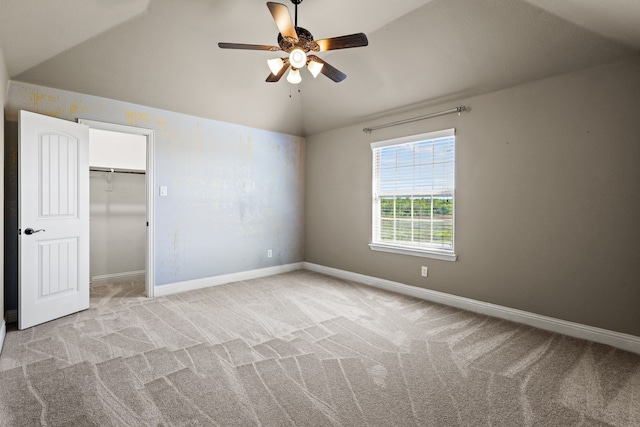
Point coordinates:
[[298, 58], [275, 65], [315, 68], [294, 76]]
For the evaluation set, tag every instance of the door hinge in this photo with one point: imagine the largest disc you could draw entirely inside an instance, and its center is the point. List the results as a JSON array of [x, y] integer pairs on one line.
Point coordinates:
[[19, 231]]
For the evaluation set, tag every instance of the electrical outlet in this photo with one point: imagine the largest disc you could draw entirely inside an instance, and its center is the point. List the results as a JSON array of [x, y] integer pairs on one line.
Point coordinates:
[[269, 253], [424, 271]]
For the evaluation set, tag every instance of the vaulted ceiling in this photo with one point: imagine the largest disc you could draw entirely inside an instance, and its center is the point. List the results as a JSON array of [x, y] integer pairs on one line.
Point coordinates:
[[164, 53]]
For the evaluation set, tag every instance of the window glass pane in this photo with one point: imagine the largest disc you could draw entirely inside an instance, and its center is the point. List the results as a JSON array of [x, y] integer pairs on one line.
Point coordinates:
[[403, 230], [423, 177], [405, 179], [443, 150], [386, 207], [443, 231], [422, 231], [386, 231], [387, 181], [403, 207], [442, 208], [423, 154], [388, 157], [404, 155], [422, 208], [442, 176]]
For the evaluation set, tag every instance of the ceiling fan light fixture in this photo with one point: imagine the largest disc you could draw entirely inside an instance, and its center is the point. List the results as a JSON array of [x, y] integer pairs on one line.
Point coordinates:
[[298, 58], [315, 67], [275, 65], [294, 76]]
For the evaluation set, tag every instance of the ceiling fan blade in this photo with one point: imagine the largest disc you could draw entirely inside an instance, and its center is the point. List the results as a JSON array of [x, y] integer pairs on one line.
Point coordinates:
[[281, 16], [248, 46], [343, 42], [276, 77], [329, 70]]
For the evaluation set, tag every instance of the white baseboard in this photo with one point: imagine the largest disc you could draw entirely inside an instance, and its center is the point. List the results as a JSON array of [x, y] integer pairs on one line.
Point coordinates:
[[12, 316], [615, 339], [3, 333], [106, 279], [190, 285]]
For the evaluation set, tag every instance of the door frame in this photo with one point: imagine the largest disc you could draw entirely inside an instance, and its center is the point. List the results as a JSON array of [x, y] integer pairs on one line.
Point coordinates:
[[149, 175]]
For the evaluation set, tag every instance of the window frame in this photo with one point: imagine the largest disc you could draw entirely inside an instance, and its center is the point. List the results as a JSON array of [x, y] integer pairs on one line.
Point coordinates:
[[376, 220]]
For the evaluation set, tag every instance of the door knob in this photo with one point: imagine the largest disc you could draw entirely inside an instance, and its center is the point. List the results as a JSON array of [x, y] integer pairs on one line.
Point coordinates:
[[30, 231]]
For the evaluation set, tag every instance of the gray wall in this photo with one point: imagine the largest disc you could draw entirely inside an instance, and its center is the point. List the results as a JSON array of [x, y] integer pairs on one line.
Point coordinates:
[[4, 79], [234, 192], [118, 223], [547, 199]]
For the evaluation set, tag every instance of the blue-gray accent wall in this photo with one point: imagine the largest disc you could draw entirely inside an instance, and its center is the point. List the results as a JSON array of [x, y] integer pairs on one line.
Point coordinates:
[[234, 192]]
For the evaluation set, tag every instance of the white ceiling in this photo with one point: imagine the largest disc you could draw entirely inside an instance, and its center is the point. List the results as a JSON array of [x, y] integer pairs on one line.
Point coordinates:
[[164, 54], [617, 19], [33, 31]]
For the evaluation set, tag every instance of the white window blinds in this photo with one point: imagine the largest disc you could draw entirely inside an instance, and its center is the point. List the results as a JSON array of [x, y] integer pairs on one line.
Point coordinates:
[[413, 192]]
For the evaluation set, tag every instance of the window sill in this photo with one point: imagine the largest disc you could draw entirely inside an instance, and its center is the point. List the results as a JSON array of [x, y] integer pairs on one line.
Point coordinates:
[[403, 250]]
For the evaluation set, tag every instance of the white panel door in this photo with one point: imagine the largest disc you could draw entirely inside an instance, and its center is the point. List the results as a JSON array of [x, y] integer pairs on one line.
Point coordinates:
[[53, 188]]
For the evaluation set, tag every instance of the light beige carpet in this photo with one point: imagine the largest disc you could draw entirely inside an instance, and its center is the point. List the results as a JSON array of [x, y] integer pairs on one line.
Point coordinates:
[[309, 350]]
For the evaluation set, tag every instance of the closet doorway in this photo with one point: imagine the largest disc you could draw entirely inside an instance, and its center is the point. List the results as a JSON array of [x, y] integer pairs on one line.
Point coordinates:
[[121, 204]]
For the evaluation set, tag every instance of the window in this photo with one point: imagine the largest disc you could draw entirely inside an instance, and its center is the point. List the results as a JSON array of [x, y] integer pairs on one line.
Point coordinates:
[[413, 195]]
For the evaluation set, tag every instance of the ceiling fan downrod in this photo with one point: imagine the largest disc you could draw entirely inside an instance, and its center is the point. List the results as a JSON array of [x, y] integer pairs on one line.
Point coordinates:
[[296, 3]]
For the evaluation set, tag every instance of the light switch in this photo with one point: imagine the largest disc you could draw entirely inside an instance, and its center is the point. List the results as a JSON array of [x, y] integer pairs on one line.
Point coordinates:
[[163, 190]]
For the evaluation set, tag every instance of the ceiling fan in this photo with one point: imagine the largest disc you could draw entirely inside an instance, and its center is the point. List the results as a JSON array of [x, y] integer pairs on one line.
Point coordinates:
[[300, 45]]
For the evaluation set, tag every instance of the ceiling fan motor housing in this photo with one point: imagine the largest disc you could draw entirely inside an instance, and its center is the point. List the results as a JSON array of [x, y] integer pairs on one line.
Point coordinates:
[[305, 41]]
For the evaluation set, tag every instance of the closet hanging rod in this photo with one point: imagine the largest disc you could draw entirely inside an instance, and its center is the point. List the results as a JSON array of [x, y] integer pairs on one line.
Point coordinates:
[[458, 110], [116, 170]]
